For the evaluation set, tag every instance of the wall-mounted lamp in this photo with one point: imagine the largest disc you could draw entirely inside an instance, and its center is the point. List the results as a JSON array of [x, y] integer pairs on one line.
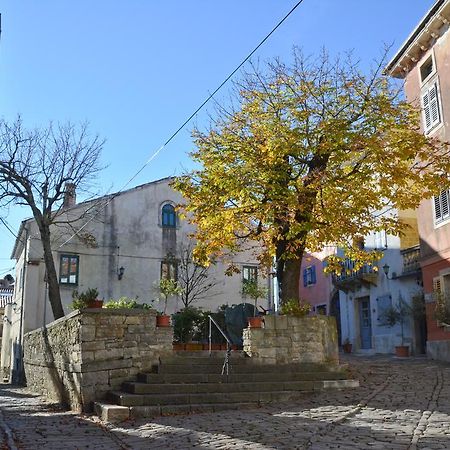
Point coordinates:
[[120, 272], [386, 272]]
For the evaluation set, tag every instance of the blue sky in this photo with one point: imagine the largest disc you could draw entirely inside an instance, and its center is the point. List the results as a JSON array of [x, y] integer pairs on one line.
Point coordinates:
[[137, 69]]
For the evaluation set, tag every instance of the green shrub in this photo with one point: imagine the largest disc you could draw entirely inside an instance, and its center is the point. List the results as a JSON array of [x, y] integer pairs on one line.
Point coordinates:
[[83, 299], [296, 308], [126, 303], [187, 324]]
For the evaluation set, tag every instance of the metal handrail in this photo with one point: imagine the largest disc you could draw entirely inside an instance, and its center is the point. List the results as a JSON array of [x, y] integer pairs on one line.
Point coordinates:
[[226, 363]]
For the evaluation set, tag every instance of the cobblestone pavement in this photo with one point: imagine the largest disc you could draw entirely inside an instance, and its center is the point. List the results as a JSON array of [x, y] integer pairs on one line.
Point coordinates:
[[401, 404]]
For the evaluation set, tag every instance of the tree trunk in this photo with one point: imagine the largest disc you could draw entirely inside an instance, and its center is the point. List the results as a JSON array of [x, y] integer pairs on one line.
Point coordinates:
[[290, 280], [54, 295]]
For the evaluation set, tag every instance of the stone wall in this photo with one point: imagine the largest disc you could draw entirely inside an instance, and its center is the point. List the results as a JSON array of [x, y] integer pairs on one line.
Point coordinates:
[[77, 359], [288, 339]]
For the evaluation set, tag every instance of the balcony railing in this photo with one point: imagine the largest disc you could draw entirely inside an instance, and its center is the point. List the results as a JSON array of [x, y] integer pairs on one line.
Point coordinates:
[[411, 260], [6, 296], [351, 278]]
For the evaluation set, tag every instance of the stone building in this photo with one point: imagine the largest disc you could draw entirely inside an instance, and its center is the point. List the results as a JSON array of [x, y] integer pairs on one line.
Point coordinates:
[[423, 63], [131, 240]]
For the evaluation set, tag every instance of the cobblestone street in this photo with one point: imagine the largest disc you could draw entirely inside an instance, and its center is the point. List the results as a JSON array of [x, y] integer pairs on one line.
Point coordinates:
[[400, 404]]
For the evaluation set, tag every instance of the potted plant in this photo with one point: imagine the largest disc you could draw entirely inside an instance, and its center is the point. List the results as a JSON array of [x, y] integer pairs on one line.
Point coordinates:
[[255, 292], [87, 299], [347, 346], [186, 327], [167, 287], [397, 314]]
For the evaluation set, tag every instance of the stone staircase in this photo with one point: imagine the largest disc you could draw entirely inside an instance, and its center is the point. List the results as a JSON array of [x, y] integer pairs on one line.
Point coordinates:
[[192, 382]]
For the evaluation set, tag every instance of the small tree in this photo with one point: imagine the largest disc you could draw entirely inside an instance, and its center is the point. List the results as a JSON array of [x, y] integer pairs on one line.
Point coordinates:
[[36, 168], [167, 288], [313, 154], [398, 313], [254, 291], [193, 277]]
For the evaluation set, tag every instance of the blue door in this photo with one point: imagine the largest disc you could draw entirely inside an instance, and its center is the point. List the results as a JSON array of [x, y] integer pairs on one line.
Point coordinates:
[[365, 323]]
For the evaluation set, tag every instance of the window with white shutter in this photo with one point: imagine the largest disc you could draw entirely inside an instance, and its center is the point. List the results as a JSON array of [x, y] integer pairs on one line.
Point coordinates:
[[441, 207], [430, 106]]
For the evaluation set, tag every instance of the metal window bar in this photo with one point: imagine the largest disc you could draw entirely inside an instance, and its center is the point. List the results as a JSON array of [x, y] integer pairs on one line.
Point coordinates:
[[226, 363]]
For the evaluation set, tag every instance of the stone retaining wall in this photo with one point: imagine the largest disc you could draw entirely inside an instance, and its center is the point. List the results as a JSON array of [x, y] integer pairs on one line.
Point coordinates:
[[288, 339], [77, 359]]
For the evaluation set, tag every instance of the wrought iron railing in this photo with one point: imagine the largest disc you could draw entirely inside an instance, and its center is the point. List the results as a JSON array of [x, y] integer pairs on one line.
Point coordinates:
[[226, 363], [349, 271]]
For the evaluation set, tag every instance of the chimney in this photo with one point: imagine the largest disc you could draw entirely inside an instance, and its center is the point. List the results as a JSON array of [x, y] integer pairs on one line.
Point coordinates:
[[70, 195]]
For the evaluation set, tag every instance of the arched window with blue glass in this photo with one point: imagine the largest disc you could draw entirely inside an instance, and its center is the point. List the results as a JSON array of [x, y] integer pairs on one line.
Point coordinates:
[[169, 216]]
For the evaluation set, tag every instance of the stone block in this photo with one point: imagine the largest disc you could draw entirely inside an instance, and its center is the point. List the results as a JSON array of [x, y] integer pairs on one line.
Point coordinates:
[[111, 413], [109, 354], [108, 332], [93, 345], [281, 322]]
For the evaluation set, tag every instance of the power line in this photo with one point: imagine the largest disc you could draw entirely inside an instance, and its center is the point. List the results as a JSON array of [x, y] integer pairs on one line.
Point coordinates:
[[8, 227], [156, 153]]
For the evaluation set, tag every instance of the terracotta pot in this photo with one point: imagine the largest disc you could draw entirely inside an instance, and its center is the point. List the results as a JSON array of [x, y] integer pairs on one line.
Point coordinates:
[[177, 346], [402, 351], [223, 346], [163, 321], [255, 322], [234, 347], [213, 347], [95, 304], [347, 348], [193, 346]]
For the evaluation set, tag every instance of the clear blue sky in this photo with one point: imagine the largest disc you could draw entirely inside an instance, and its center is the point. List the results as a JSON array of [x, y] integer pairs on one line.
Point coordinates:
[[137, 69]]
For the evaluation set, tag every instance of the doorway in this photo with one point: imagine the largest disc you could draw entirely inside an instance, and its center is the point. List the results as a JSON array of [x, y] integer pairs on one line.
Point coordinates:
[[365, 323]]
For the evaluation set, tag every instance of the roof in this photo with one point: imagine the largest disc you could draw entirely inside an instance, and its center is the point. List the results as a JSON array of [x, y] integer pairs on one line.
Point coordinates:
[[420, 40], [22, 227]]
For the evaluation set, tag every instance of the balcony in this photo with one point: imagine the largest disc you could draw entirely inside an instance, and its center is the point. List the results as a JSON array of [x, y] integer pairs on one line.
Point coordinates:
[[411, 260], [6, 296], [351, 279]]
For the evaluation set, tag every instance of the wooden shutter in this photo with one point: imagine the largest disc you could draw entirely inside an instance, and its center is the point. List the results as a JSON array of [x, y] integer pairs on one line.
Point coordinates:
[[426, 111], [444, 204], [437, 285], [305, 277], [434, 105], [437, 208], [313, 275]]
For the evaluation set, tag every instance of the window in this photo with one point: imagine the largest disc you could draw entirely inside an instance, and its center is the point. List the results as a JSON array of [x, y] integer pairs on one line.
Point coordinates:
[[384, 303], [169, 216], [249, 274], [169, 270], [68, 269], [426, 69], [441, 207], [430, 106], [309, 276]]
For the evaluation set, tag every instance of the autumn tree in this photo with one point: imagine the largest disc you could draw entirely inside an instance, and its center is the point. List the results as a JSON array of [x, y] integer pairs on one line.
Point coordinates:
[[313, 153], [37, 167]]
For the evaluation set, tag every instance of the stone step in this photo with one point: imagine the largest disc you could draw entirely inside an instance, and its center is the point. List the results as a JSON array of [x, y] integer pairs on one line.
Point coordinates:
[[266, 386], [154, 405], [201, 398], [155, 378], [211, 367]]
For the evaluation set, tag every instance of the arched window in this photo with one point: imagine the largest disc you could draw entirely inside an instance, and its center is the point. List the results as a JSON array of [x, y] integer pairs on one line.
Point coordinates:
[[169, 217]]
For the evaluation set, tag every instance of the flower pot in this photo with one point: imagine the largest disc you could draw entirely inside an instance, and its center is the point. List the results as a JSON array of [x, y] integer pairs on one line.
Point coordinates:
[[95, 304], [347, 348], [193, 346], [214, 347], [163, 321], [255, 322], [402, 351], [177, 346]]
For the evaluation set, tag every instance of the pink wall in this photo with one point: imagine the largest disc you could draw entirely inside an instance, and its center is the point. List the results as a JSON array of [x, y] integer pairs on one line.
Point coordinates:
[[318, 293]]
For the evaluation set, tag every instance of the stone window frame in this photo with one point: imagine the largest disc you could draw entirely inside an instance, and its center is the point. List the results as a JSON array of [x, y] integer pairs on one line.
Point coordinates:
[[71, 257], [249, 273]]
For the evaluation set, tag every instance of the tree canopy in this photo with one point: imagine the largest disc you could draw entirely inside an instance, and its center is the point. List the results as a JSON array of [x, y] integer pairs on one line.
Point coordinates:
[[315, 153]]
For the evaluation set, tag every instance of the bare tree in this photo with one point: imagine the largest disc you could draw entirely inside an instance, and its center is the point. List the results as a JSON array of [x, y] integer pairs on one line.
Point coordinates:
[[38, 168], [193, 278]]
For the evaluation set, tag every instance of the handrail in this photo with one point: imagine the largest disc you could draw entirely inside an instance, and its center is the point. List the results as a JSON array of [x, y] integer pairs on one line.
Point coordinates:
[[226, 363]]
